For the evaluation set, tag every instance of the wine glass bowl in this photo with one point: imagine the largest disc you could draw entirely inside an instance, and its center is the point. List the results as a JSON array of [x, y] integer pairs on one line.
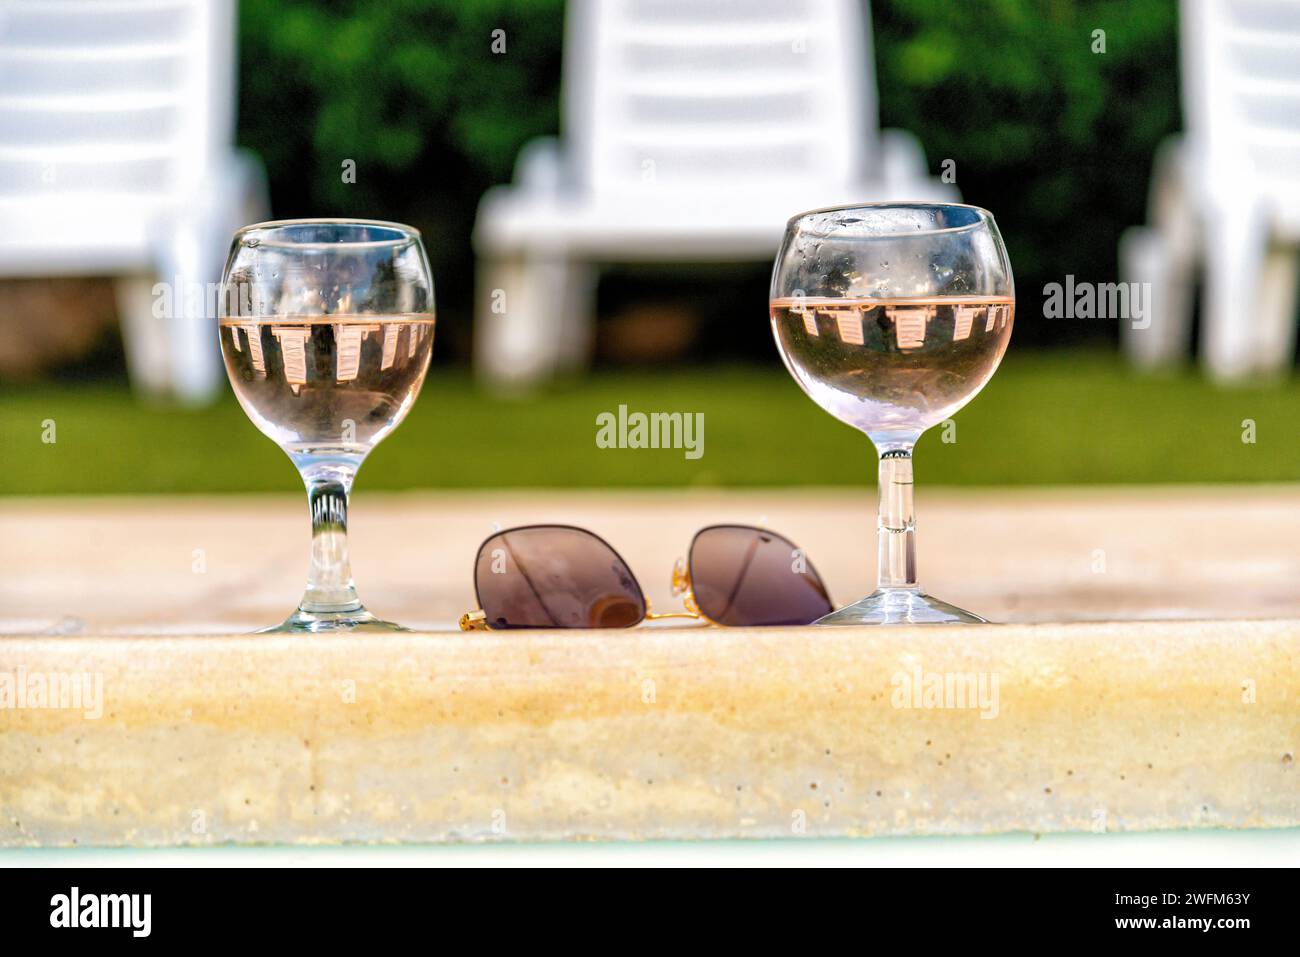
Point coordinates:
[[892, 317], [327, 331]]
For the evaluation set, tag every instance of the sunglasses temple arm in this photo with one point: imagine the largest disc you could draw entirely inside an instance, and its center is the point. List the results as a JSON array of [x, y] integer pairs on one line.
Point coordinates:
[[656, 615], [477, 621]]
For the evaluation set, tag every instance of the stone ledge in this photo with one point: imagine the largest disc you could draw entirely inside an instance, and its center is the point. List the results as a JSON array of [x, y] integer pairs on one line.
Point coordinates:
[[655, 733]]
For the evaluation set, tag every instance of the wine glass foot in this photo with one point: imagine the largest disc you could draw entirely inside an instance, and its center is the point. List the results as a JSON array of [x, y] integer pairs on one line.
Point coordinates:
[[900, 606], [332, 622]]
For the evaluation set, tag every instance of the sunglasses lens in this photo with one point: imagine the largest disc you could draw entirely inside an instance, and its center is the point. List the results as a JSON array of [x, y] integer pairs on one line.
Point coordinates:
[[749, 576], [553, 576]]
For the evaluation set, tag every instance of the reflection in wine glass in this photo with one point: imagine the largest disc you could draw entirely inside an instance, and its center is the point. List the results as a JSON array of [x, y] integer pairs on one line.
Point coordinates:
[[892, 317], [327, 334]]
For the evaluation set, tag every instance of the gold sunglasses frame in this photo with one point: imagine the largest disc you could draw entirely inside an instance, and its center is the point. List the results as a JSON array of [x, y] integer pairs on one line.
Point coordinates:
[[681, 580]]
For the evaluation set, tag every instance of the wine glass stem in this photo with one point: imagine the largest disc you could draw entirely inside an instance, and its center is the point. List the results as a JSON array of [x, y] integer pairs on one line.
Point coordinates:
[[329, 582], [897, 523]]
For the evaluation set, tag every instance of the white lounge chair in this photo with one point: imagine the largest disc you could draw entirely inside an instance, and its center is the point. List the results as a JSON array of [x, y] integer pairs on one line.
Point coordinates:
[[116, 125], [1225, 196], [693, 129]]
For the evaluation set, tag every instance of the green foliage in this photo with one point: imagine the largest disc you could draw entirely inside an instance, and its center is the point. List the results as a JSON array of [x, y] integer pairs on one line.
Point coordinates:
[[395, 84]]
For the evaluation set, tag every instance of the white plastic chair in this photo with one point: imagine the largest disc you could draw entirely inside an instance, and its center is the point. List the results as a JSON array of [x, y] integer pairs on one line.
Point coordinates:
[[693, 129], [116, 125], [1225, 196]]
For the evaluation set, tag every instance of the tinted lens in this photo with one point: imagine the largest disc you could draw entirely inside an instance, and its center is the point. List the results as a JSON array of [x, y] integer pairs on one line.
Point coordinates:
[[555, 576], [750, 576]]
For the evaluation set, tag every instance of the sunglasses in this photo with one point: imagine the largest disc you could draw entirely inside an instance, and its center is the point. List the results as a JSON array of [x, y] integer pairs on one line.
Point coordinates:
[[561, 576]]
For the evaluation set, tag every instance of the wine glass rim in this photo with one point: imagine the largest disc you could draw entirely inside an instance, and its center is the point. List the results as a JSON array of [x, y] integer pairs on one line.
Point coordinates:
[[409, 233], [984, 215]]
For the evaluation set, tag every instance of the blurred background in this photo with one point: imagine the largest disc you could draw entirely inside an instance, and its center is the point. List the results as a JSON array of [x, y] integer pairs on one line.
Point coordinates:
[[1051, 114]]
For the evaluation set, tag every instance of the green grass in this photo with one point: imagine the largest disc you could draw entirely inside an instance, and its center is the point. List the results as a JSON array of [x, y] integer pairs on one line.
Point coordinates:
[[1046, 418]]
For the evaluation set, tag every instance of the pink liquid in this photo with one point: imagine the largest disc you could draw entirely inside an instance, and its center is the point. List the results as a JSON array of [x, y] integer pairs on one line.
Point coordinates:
[[897, 365]]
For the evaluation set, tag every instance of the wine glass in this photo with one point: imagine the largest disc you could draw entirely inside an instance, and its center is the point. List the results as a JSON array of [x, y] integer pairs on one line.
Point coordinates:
[[326, 329], [891, 317]]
